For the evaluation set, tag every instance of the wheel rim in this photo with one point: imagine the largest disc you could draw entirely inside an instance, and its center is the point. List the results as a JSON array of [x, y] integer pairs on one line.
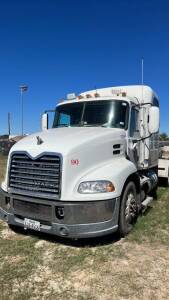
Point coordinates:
[[131, 208]]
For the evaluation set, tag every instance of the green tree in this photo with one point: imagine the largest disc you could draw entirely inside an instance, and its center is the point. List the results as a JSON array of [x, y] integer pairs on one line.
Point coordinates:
[[164, 137]]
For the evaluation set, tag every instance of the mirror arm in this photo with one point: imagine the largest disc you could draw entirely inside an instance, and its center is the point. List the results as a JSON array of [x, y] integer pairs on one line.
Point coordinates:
[[142, 104], [142, 139]]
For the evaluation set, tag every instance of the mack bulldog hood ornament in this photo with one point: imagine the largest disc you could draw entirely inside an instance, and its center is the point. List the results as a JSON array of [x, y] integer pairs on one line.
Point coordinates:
[[39, 140]]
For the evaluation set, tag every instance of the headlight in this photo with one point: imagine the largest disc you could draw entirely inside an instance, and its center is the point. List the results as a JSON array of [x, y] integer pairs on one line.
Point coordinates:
[[92, 187]]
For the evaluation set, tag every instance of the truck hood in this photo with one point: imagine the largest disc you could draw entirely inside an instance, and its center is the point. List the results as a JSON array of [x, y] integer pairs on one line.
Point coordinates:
[[67, 140]]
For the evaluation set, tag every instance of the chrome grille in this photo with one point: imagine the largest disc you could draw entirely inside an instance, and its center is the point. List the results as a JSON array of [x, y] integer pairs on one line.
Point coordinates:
[[40, 176]]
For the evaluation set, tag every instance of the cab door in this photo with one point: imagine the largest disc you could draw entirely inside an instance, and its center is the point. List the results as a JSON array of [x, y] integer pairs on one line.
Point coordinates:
[[134, 136]]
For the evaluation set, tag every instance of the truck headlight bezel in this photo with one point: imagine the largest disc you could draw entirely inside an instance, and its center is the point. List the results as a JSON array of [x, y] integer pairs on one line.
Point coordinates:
[[96, 187]]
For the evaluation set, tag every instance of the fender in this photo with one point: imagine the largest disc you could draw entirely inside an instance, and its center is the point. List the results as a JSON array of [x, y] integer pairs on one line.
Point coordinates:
[[117, 171]]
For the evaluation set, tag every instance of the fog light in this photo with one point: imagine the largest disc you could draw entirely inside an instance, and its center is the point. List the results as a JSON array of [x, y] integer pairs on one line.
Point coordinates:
[[63, 231]]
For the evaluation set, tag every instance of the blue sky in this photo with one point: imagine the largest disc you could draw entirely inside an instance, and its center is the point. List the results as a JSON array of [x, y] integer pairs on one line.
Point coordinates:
[[59, 46]]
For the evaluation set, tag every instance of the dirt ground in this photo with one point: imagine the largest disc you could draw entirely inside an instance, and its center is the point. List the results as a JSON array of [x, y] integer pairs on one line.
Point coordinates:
[[38, 266]]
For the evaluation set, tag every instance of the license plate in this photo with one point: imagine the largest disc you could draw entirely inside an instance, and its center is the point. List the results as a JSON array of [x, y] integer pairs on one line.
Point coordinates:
[[31, 224]]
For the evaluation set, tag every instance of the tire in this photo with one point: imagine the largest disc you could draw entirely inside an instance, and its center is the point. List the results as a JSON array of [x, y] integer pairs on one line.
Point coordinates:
[[128, 209], [153, 192], [167, 180]]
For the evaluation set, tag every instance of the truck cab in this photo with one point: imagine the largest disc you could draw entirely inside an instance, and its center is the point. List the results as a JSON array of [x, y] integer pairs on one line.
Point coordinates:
[[91, 173]]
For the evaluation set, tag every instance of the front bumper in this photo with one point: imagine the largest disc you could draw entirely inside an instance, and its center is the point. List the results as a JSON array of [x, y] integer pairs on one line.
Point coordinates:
[[68, 219]]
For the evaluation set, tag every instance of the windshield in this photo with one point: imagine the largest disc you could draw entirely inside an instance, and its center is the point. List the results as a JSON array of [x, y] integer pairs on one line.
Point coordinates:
[[105, 113]]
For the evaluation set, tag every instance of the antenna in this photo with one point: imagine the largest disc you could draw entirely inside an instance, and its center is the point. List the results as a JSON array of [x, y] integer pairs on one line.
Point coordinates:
[[142, 71], [9, 124], [142, 77]]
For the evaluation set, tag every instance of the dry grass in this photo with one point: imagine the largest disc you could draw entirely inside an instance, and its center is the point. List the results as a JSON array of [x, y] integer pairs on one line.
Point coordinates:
[[3, 160], [44, 267]]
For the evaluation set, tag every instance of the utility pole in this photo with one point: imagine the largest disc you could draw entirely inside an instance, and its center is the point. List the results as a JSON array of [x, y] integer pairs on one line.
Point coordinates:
[[9, 124], [23, 88]]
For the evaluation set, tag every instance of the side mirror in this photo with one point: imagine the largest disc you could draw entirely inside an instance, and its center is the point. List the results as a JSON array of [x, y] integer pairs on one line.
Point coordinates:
[[44, 122], [154, 119]]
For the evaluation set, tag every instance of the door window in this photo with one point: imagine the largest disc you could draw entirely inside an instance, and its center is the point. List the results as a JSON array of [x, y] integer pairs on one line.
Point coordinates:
[[133, 123]]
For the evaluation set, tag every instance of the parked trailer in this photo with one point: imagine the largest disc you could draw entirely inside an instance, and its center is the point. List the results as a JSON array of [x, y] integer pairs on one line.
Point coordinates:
[[90, 174], [163, 164]]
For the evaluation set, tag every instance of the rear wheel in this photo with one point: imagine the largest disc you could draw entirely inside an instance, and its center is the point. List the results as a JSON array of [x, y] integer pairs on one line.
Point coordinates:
[[167, 180], [153, 192], [128, 209]]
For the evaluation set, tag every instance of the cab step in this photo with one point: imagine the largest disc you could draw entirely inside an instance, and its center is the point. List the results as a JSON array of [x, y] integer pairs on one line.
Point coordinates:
[[146, 203]]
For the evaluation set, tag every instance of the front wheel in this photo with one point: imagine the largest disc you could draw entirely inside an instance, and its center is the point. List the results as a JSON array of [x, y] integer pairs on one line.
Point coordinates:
[[128, 209]]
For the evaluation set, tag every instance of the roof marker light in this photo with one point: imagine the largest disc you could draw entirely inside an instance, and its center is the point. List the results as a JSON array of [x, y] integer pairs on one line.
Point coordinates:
[[79, 97], [88, 96], [96, 95]]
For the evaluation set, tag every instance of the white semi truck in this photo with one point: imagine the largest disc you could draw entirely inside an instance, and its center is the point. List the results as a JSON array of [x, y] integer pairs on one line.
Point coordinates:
[[92, 172]]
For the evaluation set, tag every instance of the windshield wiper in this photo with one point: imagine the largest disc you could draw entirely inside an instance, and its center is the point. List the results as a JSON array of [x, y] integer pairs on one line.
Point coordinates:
[[81, 125], [62, 125], [91, 125]]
